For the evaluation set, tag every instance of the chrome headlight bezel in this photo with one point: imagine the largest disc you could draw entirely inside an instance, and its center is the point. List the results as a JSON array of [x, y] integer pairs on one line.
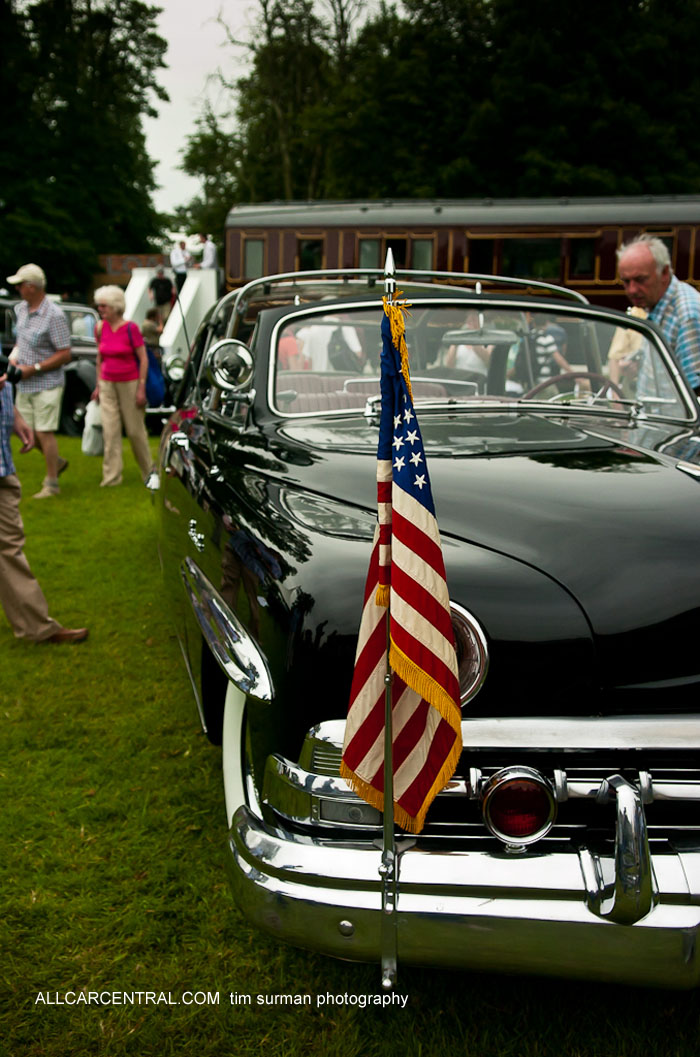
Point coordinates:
[[472, 652]]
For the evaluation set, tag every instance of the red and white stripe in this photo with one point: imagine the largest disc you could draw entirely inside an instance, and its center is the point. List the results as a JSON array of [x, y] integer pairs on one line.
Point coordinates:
[[426, 719]]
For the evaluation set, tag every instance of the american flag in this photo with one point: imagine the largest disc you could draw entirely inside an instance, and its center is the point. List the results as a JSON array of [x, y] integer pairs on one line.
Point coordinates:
[[407, 575]]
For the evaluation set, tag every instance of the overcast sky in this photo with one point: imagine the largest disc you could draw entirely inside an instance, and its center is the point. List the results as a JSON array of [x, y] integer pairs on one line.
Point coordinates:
[[195, 49]]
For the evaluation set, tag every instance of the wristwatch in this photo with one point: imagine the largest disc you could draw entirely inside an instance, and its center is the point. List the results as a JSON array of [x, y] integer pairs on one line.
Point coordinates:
[[37, 368]]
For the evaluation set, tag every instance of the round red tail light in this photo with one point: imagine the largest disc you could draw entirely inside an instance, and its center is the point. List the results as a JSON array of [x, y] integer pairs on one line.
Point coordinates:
[[518, 805]]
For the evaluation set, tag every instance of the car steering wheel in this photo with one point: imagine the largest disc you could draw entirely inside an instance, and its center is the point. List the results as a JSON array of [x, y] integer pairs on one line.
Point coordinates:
[[592, 376]]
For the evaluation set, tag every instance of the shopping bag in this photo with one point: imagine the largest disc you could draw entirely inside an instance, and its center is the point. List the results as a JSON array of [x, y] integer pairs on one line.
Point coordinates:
[[92, 442]]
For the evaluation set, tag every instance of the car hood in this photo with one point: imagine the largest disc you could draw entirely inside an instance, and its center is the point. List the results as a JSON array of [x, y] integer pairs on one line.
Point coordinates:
[[613, 524]]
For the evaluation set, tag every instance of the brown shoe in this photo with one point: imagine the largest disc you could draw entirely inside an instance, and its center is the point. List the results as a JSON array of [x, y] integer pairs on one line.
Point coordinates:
[[68, 636], [62, 465]]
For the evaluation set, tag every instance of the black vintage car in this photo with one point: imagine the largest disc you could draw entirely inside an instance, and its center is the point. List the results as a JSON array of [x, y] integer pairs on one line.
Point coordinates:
[[564, 454]]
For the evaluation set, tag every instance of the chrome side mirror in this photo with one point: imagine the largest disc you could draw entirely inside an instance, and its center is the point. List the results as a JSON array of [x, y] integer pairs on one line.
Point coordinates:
[[229, 365], [174, 368]]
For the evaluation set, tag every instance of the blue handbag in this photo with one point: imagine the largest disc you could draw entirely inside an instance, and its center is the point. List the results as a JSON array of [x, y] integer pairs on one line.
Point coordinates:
[[155, 383]]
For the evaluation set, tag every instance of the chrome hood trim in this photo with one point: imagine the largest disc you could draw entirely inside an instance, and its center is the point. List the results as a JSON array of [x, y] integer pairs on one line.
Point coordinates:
[[564, 732]]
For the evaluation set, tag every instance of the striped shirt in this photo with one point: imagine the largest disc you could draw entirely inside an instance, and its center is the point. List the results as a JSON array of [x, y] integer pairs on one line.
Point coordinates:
[[7, 423], [677, 314], [545, 347], [40, 334]]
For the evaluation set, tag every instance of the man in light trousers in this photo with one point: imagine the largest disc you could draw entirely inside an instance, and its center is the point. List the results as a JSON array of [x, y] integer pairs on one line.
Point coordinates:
[[21, 596]]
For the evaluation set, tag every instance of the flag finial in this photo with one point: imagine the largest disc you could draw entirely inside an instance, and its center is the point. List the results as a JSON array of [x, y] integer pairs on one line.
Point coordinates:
[[389, 275]]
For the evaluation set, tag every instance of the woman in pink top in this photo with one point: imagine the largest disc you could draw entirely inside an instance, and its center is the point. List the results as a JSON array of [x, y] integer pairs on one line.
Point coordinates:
[[122, 366]]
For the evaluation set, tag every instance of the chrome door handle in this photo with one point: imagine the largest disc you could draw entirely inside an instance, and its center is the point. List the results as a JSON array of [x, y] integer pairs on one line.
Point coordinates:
[[178, 439], [196, 537]]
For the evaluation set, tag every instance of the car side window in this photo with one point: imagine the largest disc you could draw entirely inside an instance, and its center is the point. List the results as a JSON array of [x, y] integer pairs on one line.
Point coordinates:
[[199, 345]]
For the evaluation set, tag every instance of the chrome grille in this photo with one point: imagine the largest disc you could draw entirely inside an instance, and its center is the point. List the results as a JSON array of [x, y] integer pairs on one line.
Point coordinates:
[[667, 776], [325, 759]]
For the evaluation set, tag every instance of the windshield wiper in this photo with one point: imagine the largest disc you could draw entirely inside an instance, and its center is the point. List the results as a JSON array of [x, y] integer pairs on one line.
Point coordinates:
[[591, 403], [447, 404]]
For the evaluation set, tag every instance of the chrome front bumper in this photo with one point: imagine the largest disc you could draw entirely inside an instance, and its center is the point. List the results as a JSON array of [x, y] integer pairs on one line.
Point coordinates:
[[536, 911]]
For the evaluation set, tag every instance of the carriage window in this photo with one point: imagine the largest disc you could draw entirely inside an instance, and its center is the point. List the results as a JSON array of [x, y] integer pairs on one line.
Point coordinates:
[[532, 258], [398, 247], [310, 253], [422, 254], [373, 252], [665, 235], [481, 256], [253, 258], [581, 258], [369, 253]]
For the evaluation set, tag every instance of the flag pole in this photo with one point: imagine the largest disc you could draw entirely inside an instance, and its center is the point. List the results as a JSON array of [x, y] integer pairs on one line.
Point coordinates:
[[387, 868]]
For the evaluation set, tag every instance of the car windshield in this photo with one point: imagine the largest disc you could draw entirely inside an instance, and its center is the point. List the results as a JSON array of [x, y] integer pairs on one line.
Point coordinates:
[[461, 355], [81, 321]]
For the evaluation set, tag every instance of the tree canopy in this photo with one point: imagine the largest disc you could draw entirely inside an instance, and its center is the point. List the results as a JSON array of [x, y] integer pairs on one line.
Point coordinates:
[[456, 98], [77, 180]]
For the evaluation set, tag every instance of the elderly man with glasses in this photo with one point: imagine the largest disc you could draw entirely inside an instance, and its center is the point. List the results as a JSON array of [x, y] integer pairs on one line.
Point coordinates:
[[646, 274]]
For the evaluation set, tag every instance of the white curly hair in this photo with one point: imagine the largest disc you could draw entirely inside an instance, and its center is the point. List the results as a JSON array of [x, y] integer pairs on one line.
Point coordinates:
[[111, 295]]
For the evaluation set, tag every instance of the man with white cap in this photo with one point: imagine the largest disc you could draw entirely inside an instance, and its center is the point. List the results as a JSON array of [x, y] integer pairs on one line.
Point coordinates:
[[42, 349]]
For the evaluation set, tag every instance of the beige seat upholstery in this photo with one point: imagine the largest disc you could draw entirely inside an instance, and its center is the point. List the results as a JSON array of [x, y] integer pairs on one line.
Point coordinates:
[[309, 382], [370, 387], [324, 402]]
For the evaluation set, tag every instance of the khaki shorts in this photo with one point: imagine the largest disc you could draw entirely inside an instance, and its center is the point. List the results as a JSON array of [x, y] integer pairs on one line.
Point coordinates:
[[42, 410]]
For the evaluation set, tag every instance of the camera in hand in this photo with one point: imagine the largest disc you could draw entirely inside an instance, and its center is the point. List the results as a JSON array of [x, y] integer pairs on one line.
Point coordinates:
[[13, 373]]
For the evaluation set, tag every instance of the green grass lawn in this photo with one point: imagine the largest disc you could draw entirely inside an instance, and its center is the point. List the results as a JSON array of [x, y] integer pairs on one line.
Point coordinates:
[[112, 852]]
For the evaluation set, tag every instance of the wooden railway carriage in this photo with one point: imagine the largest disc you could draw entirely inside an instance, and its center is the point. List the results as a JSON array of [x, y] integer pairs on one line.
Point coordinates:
[[571, 241]]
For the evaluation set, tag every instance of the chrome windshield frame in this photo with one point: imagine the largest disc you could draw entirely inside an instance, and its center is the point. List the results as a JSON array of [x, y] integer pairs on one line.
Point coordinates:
[[496, 303]]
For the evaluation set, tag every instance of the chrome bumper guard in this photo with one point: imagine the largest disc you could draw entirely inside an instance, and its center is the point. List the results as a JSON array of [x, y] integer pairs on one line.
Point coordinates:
[[540, 911], [627, 911]]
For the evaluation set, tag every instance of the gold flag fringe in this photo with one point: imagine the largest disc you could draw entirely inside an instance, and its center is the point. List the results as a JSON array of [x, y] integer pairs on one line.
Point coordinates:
[[375, 798], [382, 596], [438, 697], [424, 685], [397, 311]]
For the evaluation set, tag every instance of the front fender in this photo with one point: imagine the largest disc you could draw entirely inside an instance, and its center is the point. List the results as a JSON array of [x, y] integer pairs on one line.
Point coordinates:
[[85, 370]]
